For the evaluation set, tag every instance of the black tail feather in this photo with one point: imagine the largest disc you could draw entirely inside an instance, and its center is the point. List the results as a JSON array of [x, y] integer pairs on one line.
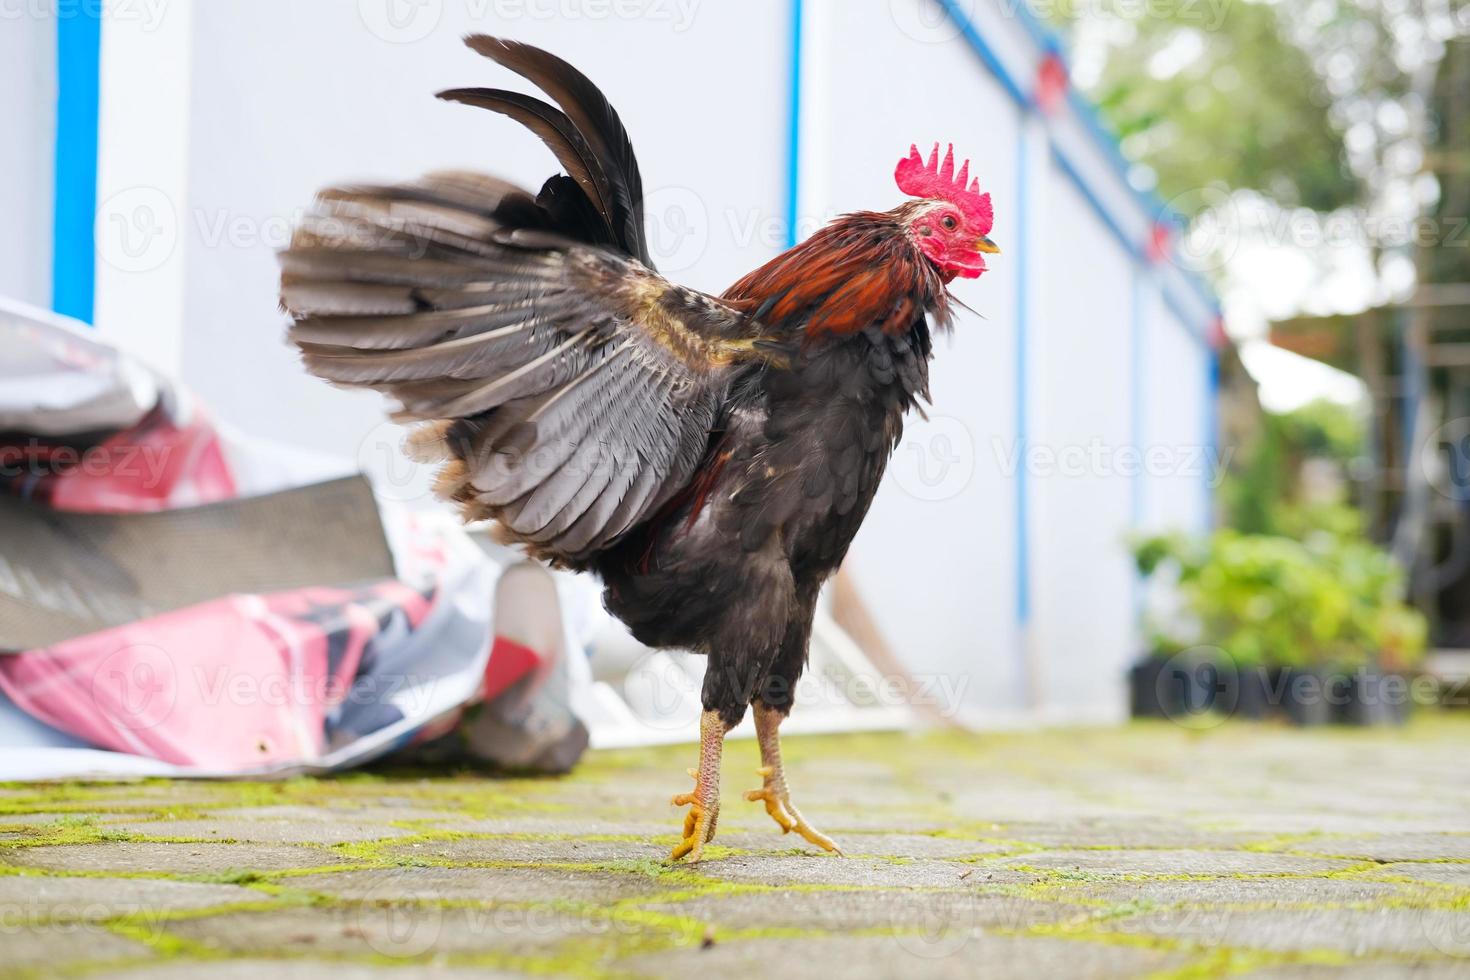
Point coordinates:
[[594, 118]]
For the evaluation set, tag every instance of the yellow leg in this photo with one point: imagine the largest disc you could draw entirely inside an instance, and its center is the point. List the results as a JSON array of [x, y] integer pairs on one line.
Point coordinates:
[[704, 802], [774, 792]]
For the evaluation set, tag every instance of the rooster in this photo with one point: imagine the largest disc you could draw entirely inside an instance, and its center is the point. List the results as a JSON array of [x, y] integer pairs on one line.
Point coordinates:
[[709, 457]]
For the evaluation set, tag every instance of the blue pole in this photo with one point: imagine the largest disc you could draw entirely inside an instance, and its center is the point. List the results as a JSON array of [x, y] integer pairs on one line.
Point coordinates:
[[793, 132], [1023, 316], [73, 255]]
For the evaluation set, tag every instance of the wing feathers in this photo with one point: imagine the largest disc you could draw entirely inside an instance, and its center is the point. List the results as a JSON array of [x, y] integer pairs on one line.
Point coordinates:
[[576, 390]]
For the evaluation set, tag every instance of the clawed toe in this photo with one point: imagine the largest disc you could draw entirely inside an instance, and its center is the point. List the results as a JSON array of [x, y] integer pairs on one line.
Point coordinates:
[[779, 806]]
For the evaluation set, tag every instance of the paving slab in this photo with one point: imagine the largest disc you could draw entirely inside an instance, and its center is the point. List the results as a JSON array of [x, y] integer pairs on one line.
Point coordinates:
[[40, 899], [503, 885], [402, 932], [169, 858], [1105, 853], [927, 912], [1274, 891], [954, 957], [562, 850], [819, 868], [1353, 931], [266, 830], [1122, 862], [302, 969], [1394, 847], [44, 947]]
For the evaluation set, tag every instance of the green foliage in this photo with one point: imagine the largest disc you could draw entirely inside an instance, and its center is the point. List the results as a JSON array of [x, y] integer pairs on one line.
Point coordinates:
[[1275, 601], [1260, 494], [1209, 96], [1324, 429]]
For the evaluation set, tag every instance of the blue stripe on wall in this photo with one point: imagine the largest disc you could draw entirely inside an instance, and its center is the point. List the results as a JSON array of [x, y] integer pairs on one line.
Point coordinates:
[[1023, 323], [1099, 133], [987, 54], [793, 132], [1135, 394], [1211, 434], [78, 49]]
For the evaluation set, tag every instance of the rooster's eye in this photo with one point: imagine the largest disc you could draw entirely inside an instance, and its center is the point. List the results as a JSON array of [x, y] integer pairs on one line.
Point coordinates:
[[949, 222]]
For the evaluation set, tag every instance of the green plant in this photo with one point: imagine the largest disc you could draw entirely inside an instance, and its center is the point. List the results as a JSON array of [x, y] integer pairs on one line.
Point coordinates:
[[1270, 600]]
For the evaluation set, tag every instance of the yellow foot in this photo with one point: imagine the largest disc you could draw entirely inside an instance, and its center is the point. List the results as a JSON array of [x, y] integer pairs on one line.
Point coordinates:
[[778, 804], [699, 822]]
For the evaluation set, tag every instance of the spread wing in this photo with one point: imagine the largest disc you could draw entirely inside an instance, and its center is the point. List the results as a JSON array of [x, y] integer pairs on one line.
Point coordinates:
[[570, 390]]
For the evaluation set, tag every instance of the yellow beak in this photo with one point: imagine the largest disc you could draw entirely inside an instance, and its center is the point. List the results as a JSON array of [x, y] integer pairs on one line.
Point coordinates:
[[987, 246]]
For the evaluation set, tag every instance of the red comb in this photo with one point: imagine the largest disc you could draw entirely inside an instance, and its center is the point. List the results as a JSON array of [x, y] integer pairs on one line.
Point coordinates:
[[935, 180]]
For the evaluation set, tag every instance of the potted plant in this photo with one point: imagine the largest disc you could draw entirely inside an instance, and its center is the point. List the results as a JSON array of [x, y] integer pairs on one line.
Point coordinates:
[[1266, 622]]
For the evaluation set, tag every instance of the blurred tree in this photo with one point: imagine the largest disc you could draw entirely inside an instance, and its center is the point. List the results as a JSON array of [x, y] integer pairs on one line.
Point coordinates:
[[1449, 161], [1313, 103], [1204, 96], [1265, 493]]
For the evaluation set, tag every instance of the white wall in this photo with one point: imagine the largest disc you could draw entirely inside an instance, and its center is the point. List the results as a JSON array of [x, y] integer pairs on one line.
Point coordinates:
[[294, 96], [935, 558], [27, 147], [1082, 576], [253, 105], [1174, 416]]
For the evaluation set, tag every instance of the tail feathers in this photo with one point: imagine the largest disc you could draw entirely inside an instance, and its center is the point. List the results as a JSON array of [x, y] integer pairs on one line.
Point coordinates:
[[608, 159]]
